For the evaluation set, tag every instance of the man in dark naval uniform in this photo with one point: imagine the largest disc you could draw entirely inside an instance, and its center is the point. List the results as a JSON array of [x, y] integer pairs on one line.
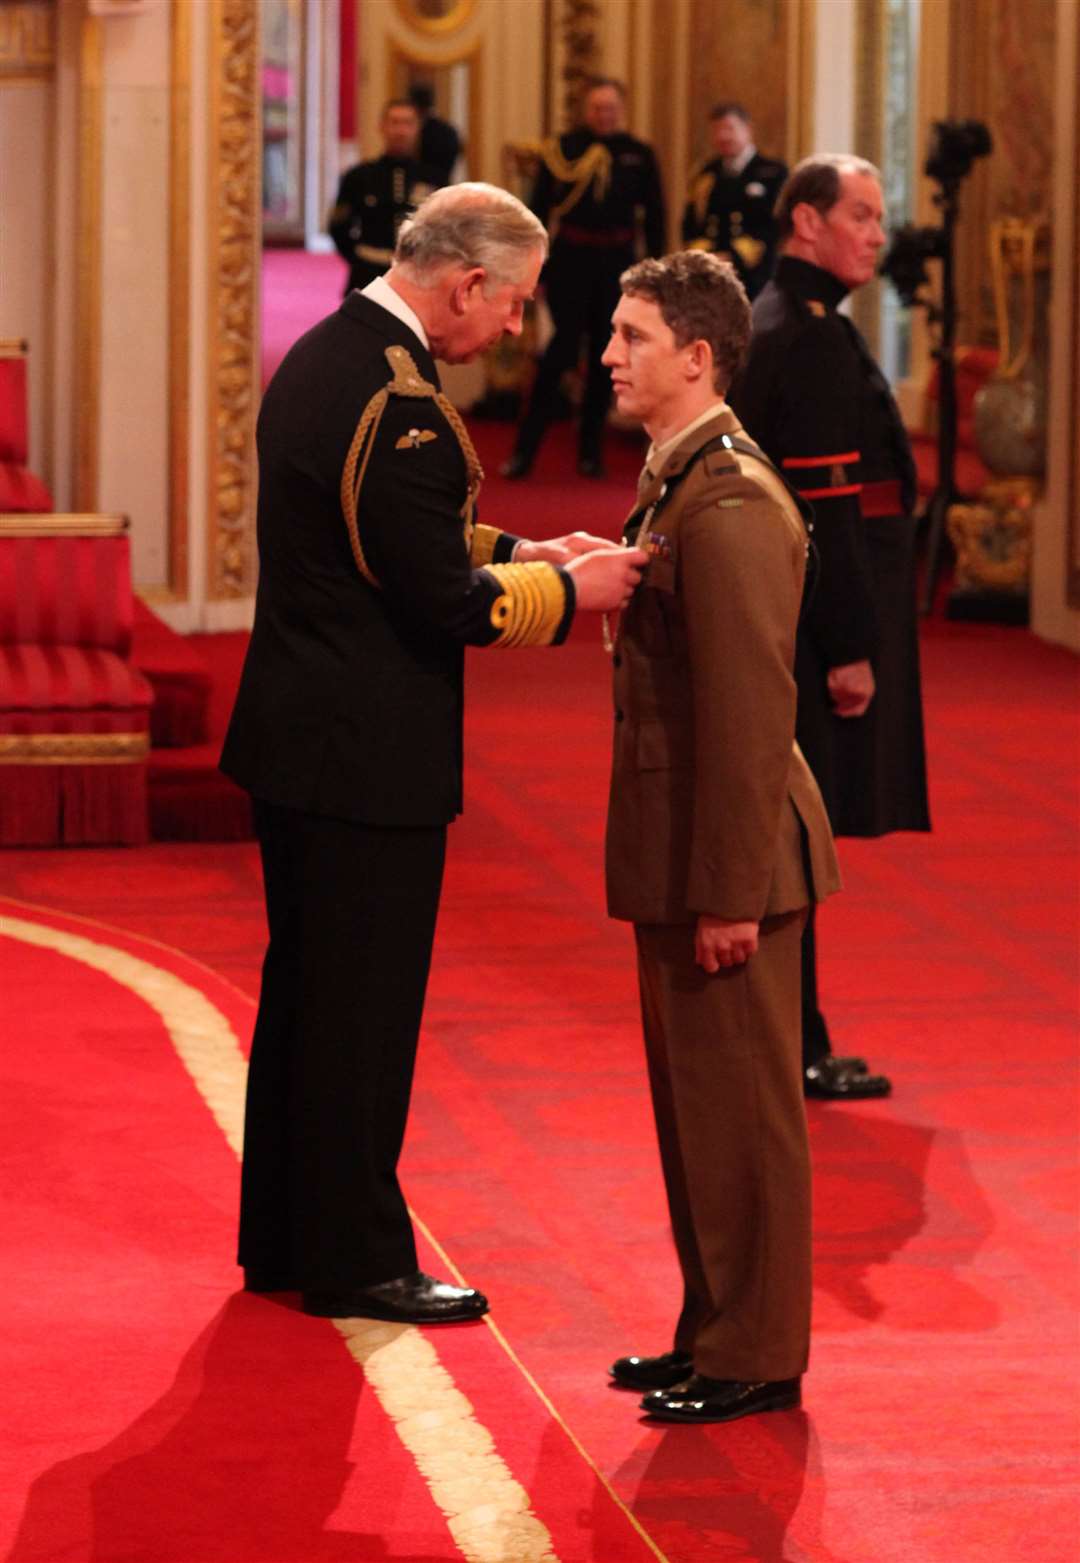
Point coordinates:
[[375, 197], [348, 733], [729, 205], [596, 188], [815, 400]]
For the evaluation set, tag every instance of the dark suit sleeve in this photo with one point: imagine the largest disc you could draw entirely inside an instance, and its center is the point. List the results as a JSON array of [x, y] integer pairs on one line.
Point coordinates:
[[806, 407], [413, 538]]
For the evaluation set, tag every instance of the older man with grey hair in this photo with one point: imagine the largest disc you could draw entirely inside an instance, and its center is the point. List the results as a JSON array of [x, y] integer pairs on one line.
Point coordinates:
[[347, 731]]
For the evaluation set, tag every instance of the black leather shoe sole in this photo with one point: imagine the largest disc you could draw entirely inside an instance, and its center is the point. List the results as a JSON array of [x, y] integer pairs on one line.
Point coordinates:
[[662, 1372], [728, 1404], [359, 1305]]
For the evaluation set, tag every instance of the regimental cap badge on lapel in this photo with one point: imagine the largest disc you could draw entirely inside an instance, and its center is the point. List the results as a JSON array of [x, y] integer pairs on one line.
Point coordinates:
[[415, 438]]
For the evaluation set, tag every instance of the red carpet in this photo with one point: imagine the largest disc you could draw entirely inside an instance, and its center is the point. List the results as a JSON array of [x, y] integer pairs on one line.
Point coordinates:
[[154, 1415]]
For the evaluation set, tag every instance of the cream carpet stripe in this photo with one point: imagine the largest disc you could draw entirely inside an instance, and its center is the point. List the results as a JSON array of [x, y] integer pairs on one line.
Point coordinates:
[[487, 1511]]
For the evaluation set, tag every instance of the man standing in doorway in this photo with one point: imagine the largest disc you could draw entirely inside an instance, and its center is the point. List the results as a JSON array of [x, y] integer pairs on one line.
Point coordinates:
[[729, 205], [374, 198], [818, 404], [598, 188]]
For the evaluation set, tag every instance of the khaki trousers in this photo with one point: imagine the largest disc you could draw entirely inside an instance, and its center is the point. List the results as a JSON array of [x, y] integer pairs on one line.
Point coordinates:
[[725, 1068]]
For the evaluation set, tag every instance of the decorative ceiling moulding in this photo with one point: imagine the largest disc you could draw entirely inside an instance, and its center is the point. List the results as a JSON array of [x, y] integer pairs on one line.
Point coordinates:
[[234, 245], [27, 39], [436, 16]]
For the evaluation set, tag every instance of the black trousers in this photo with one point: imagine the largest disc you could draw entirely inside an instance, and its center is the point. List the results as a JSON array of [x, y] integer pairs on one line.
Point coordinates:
[[351, 911], [582, 290]]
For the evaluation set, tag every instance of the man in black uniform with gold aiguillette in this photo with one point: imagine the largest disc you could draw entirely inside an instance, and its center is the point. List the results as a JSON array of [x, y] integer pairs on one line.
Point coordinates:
[[816, 402], [596, 186], [374, 198], [347, 731], [729, 205]]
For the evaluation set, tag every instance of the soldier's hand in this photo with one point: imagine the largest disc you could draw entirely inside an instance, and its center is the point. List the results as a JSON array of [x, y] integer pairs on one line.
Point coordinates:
[[604, 578], [719, 944], [559, 550], [851, 688]]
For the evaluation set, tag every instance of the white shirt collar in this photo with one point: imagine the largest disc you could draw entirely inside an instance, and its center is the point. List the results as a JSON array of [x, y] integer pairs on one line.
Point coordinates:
[[735, 165], [658, 454], [380, 292]]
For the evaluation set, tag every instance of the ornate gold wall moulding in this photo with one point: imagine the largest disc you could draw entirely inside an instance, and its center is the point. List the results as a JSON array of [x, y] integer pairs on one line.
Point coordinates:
[[436, 16], [73, 748], [992, 537], [88, 279], [27, 38], [234, 280], [179, 294]]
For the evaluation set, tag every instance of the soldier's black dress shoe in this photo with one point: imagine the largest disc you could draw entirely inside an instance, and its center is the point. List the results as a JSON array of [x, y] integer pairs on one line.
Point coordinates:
[[662, 1372], [411, 1299], [515, 467], [702, 1399], [834, 1079], [591, 467]]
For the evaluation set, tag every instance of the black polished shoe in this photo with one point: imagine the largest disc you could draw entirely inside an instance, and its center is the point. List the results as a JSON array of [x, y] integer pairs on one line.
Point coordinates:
[[703, 1399], [662, 1372], [269, 1281], [411, 1299], [833, 1079], [516, 467], [591, 467]]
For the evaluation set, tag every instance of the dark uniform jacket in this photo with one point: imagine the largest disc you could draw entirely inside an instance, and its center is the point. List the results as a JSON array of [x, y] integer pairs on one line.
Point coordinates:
[[350, 703], [440, 146], [731, 215], [622, 194], [708, 789], [373, 201], [813, 397]]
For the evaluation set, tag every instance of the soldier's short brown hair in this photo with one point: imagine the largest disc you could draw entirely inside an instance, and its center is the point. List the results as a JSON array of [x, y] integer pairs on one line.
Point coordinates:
[[816, 180], [700, 298]]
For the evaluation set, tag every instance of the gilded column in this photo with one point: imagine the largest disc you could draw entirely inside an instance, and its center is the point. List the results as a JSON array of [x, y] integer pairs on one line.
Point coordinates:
[[234, 244]]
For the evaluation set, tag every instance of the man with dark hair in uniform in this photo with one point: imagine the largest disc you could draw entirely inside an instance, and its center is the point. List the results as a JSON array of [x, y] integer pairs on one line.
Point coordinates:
[[375, 197], [596, 187], [813, 397], [440, 144], [729, 205]]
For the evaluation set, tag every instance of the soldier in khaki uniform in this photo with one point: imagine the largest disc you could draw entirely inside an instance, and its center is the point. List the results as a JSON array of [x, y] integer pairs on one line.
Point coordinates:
[[717, 842]]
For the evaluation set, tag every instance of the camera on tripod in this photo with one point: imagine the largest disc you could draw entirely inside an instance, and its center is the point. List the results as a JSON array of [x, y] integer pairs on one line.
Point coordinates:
[[954, 146]]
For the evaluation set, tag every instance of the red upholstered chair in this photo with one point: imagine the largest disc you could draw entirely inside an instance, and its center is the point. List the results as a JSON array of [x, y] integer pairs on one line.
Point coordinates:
[[74, 712], [19, 489]]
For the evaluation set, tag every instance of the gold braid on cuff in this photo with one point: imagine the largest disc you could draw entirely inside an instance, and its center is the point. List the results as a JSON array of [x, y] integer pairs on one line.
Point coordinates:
[[530, 605], [484, 542]]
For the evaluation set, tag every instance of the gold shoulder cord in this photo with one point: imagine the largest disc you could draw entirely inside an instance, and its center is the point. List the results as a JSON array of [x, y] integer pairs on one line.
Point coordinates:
[[593, 165], [407, 381], [532, 599]]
